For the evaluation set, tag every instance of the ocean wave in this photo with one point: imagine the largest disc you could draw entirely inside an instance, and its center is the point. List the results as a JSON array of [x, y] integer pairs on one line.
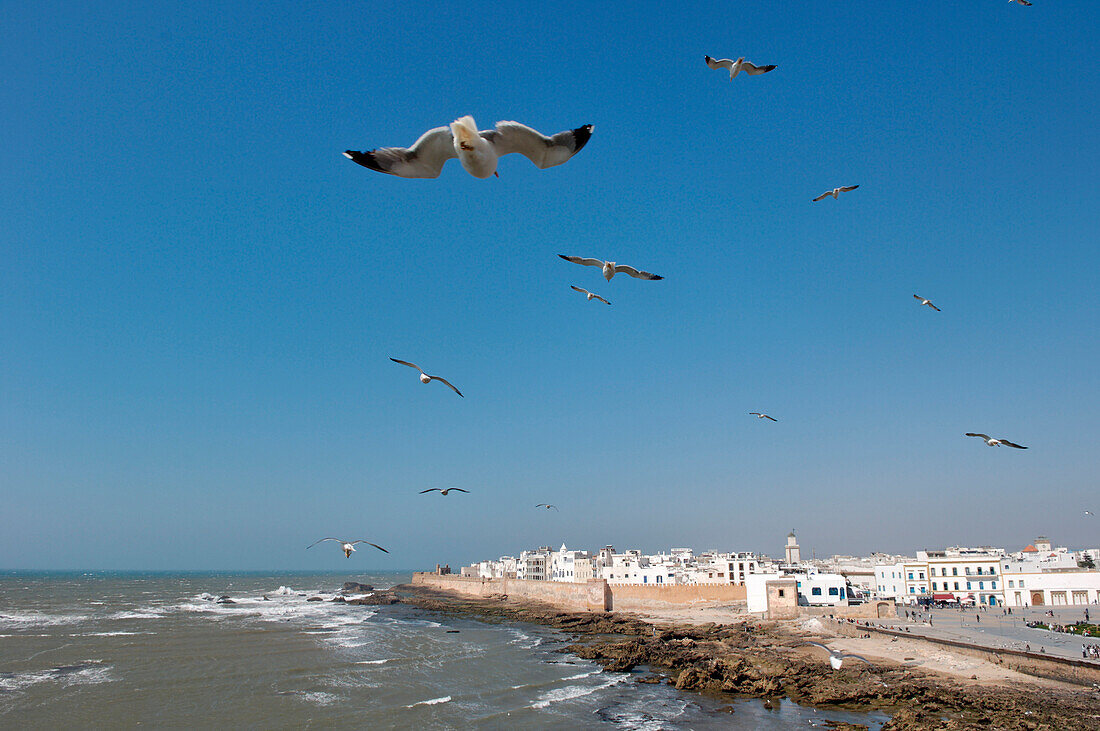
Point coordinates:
[[16, 620], [82, 673], [138, 614], [375, 662], [430, 702], [316, 697], [581, 675], [111, 634], [570, 692]]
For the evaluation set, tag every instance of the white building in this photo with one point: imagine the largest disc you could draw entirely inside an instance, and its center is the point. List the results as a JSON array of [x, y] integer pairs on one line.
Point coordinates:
[[534, 565], [821, 590], [562, 564]]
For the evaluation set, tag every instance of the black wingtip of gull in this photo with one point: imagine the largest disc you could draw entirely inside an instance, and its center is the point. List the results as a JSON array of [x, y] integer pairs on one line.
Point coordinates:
[[581, 135], [366, 159]]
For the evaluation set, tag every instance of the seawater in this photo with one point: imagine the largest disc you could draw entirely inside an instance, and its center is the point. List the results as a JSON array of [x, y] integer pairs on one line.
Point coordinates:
[[120, 650]]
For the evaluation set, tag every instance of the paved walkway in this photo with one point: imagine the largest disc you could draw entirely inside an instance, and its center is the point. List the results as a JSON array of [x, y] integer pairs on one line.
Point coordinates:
[[995, 630]]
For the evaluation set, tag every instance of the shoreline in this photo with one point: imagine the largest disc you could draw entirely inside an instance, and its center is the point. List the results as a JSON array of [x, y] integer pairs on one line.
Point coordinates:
[[750, 658]]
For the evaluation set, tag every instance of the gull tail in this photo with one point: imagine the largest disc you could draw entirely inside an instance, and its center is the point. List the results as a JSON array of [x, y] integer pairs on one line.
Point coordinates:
[[464, 130]]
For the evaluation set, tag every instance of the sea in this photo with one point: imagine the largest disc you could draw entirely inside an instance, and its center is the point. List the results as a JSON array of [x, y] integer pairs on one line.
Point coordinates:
[[120, 650]]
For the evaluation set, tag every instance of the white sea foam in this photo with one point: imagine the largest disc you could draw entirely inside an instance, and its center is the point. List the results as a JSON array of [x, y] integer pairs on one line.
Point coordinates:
[[581, 675], [430, 702], [82, 673], [15, 620], [111, 634], [139, 614], [570, 692], [374, 662], [284, 591]]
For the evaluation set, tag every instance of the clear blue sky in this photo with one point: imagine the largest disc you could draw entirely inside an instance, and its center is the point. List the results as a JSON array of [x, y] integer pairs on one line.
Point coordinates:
[[199, 295]]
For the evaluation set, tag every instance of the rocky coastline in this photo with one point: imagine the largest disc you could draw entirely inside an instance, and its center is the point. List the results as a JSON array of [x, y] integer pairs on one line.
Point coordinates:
[[758, 659]]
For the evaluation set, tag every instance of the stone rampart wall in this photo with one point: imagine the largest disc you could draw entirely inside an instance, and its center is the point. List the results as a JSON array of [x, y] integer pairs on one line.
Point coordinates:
[[591, 596], [639, 598]]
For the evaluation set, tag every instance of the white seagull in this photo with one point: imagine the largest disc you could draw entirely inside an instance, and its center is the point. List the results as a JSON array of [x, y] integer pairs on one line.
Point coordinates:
[[994, 442], [737, 66], [836, 658], [477, 151], [835, 192], [758, 415], [1020, 2], [610, 268], [425, 378], [1088, 512], [591, 295], [924, 301], [443, 491], [348, 547], [547, 506]]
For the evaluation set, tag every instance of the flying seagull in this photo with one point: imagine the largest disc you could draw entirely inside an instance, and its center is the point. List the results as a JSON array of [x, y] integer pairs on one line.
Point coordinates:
[[443, 491], [477, 151], [425, 378], [924, 301], [758, 415], [591, 295], [737, 66], [610, 268], [547, 506], [994, 442], [348, 547], [836, 658], [1020, 2], [1088, 512], [835, 192]]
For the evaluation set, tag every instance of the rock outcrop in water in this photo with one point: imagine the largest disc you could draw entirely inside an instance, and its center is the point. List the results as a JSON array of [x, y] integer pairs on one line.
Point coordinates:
[[377, 598], [761, 660], [354, 587]]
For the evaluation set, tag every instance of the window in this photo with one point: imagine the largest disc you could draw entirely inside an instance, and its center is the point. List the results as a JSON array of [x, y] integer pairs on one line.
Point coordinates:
[[816, 591], [968, 586], [968, 571], [922, 575], [979, 571], [993, 585], [992, 570], [1010, 583], [954, 570], [912, 590], [1021, 583], [922, 590], [910, 575], [933, 586], [780, 593], [833, 591], [981, 585], [956, 586]]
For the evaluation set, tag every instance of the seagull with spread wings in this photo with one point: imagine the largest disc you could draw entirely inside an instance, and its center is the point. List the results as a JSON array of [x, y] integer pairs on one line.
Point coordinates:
[[737, 66], [835, 192], [443, 490], [478, 151], [994, 442], [591, 295], [610, 268], [927, 302], [425, 378], [1020, 2], [547, 506], [758, 415], [348, 547], [837, 658]]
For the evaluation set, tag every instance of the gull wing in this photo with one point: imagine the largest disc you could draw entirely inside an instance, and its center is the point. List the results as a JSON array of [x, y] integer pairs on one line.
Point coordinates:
[[624, 269], [545, 152], [338, 540], [457, 489], [1011, 444], [423, 160], [824, 195], [410, 365], [846, 188], [818, 644], [983, 436], [920, 298], [719, 63], [601, 299], [370, 544], [769, 417], [583, 261], [578, 289], [855, 657], [444, 380], [431, 489], [937, 309], [749, 68]]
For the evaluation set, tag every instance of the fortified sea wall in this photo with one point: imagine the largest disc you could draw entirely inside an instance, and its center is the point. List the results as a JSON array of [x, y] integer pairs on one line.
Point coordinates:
[[595, 595]]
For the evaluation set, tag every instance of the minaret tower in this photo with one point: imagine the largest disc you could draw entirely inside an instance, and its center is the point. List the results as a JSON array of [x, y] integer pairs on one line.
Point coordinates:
[[794, 556]]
